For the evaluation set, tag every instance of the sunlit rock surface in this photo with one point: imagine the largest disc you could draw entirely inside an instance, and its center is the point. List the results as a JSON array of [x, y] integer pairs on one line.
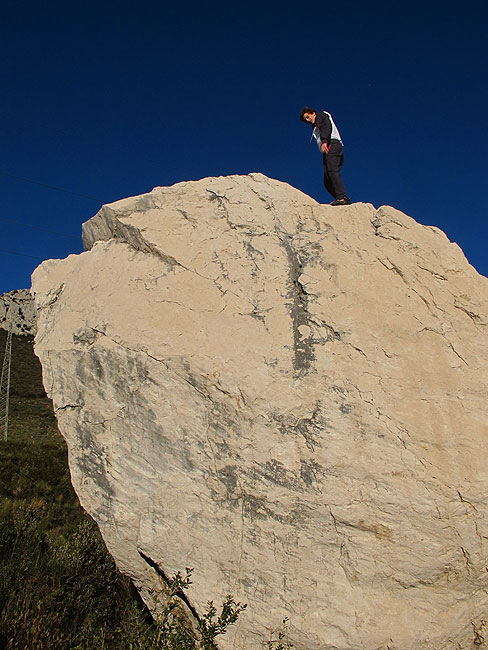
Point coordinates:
[[288, 397]]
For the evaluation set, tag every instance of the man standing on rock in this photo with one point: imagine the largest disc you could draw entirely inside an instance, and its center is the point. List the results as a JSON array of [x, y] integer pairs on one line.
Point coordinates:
[[329, 143]]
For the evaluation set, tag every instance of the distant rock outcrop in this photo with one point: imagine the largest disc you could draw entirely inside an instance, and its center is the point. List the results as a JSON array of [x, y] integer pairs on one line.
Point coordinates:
[[18, 312], [289, 398]]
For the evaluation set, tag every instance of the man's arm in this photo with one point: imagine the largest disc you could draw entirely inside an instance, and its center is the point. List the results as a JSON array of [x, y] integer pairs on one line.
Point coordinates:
[[324, 125]]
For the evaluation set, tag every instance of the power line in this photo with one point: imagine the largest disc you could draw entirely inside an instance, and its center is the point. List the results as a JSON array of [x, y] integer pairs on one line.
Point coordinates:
[[28, 225], [2, 250], [51, 187]]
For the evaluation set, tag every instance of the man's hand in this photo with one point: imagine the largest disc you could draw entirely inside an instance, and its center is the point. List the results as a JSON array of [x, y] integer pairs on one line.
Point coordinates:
[[324, 147]]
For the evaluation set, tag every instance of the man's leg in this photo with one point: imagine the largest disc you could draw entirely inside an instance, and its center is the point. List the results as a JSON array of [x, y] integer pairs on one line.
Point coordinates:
[[328, 185], [332, 166]]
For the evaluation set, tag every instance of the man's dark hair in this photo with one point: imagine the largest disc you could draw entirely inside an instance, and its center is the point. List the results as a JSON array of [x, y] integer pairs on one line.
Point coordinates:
[[307, 109]]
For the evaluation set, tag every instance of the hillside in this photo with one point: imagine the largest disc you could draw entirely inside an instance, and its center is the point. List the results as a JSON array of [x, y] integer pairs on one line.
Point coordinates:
[[59, 588]]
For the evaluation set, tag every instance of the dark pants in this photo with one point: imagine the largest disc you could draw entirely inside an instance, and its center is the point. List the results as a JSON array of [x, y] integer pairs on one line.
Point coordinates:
[[332, 167]]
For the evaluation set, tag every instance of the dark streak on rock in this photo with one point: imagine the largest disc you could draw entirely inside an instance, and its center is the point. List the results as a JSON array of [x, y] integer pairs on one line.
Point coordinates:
[[255, 507], [298, 307], [253, 253], [311, 429], [91, 462], [308, 472], [308, 426], [228, 476]]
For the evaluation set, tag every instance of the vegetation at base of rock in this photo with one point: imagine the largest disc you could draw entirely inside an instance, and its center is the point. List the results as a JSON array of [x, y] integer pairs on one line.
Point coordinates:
[[173, 630], [278, 639], [59, 586]]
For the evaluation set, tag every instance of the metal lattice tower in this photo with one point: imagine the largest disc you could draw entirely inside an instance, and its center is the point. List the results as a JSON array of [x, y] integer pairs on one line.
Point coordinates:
[[5, 384]]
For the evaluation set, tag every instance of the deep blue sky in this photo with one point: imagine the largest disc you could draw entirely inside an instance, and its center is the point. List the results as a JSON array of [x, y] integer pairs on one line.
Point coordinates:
[[112, 99]]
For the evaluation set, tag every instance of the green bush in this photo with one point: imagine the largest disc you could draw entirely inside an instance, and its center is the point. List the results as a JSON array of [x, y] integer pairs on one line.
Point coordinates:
[[172, 624]]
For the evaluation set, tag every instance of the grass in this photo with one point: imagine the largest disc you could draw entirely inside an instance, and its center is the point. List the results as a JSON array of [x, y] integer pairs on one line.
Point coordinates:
[[59, 587]]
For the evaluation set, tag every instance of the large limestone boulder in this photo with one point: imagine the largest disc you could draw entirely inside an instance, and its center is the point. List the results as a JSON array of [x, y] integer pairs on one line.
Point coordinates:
[[17, 312], [289, 398]]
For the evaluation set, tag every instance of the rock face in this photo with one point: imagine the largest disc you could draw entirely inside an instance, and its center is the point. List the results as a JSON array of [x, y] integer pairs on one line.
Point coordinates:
[[18, 311], [289, 398]]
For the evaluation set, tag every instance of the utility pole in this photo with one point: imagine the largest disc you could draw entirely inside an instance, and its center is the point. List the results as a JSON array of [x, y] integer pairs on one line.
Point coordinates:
[[5, 383]]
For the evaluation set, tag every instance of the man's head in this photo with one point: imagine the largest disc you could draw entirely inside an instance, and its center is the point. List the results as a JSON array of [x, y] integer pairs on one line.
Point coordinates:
[[308, 115]]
